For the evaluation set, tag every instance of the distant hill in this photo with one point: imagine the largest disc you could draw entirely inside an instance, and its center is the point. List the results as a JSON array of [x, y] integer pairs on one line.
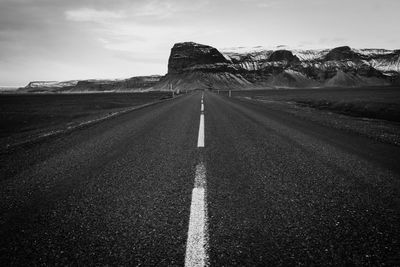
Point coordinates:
[[7, 89], [133, 84]]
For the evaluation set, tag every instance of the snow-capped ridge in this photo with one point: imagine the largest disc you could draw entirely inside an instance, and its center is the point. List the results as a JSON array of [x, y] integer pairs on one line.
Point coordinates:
[[281, 66], [253, 58]]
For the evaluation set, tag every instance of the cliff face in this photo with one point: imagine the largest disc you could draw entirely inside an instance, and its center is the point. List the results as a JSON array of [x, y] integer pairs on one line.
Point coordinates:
[[186, 56], [195, 66]]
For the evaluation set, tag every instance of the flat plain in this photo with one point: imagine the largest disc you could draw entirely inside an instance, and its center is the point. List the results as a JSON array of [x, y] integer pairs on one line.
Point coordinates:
[[369, 102], [23, 116]]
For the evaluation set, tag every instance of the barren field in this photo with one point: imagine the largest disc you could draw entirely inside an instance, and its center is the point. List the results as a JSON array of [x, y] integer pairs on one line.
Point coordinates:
[[371, 112], [374, 102], [26, 115]]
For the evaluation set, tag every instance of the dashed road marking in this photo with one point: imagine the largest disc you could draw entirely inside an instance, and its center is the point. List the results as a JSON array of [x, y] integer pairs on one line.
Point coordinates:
[[197, 242], [200, 139]]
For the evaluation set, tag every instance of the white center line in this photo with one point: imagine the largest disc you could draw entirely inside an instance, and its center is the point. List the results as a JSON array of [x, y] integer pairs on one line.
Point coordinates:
[[200, 140], [197, 242]]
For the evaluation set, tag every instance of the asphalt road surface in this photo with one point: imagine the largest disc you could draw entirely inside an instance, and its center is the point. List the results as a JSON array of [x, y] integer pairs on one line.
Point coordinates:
[[248, 186]]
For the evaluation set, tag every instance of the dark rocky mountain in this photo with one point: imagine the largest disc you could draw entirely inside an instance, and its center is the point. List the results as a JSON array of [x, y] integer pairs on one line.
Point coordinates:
[[283, 55], [189, 56], [193, 66], [342, 53]]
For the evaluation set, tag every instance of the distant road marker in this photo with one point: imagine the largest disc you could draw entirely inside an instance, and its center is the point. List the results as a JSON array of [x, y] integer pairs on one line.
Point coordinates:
[[200, 140]]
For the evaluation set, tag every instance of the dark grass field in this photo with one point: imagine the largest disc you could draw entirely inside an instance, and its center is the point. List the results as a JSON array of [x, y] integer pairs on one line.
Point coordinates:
[[26, 114], [371, 102]]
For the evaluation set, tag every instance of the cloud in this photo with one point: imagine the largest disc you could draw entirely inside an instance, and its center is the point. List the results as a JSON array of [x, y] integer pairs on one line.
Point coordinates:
[[167, 8], [262, 3], [92, 15], [333, 41], [139, 27], [155, 8], [278, 3]]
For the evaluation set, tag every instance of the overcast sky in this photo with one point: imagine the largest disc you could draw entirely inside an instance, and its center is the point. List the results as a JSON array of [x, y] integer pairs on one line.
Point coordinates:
[[81, 39]]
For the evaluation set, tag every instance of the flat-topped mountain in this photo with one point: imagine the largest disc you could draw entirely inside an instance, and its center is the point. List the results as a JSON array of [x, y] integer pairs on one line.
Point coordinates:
[[195, 66], [186, 56]]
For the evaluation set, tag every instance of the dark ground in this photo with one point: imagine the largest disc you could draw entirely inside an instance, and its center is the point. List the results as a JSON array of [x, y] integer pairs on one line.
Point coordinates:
[[282, 191], [369, 102], [24, 115]]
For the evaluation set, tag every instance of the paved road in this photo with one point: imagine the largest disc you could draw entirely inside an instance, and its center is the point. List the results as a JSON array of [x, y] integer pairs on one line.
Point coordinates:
[[139, 189]]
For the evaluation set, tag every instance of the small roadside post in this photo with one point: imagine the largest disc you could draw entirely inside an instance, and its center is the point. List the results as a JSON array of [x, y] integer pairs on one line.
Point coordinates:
[[170, 88], [230, 93]]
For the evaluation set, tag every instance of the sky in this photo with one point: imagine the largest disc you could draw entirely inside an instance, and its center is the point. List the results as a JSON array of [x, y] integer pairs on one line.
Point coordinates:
[[58, 40]]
